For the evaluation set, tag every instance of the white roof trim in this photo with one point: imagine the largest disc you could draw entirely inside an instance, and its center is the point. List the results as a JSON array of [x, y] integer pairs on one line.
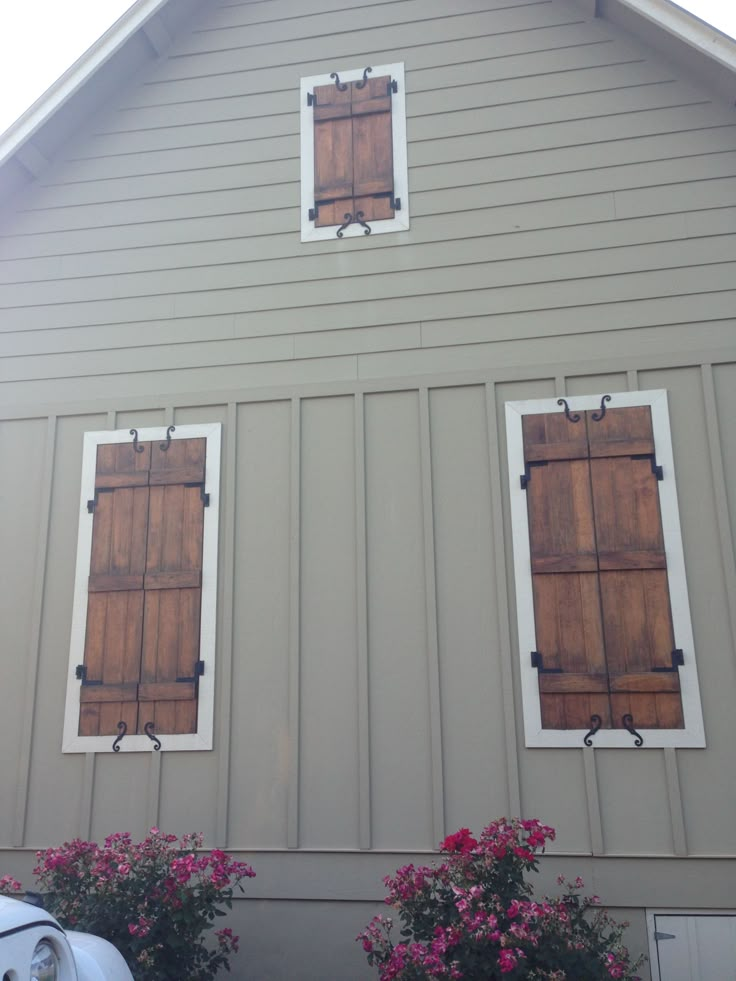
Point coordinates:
[[688, 27], [75, 77]]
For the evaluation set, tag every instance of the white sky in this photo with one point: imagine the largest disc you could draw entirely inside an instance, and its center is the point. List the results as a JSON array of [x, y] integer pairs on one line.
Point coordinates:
[[40, 39]]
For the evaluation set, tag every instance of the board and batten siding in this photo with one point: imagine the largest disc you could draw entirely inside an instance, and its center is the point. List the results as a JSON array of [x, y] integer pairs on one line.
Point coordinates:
[[573, 201]]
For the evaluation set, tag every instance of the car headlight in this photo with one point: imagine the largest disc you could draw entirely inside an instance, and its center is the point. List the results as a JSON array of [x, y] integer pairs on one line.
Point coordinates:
[[44, 963]]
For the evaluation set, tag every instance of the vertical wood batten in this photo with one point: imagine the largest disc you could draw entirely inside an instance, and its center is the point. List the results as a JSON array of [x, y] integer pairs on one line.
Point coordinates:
[[677, 816], [593, 801], [632, 379], [225, 651], [723, 520], [153, 799], [87, 796], [292, 798], [503, 629], [34, 643], [361, 626], [430, 600], [559, 385]]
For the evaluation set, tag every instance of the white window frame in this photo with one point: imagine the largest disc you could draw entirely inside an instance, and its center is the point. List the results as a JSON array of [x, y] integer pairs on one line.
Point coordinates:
[[72, 742], [400, 222], [693, 734]]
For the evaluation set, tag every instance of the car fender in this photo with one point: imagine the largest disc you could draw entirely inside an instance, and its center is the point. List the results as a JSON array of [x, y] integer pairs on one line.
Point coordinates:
[[97, 959]]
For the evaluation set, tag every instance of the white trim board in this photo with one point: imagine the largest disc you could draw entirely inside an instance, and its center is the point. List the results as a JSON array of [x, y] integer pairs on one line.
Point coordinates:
[[202, 738], [400, 222], [693, 734]]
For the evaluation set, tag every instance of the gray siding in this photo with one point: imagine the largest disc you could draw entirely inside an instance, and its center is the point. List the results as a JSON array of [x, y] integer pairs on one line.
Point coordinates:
[[573, 214]]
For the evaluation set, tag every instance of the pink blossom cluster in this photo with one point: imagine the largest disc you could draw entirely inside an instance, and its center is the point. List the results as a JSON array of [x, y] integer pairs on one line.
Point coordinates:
[[9, 885], [473, 916], [163, 889]]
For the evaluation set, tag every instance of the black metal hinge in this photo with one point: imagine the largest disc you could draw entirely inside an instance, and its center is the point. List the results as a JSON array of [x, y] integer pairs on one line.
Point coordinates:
[[527, 475], [393, 86], [678, 659], [538, 663], [656, 468], [198, 672], [311, 99], [81, 674]]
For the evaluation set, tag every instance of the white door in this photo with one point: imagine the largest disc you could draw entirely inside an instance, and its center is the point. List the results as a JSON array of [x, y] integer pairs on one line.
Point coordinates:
[[698, 947]]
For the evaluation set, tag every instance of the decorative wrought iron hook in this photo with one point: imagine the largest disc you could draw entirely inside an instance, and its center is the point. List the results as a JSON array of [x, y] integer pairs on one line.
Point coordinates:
[[165, 446], [148, 729], [361, 84], [597, 416], [596, 724], [628, 724], [348, 221], [570, 416], [359, 216], [136, 445], [340, 86], [122, 729]]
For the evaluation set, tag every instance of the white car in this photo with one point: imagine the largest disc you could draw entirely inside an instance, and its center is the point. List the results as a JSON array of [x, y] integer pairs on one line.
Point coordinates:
[[34, 947]]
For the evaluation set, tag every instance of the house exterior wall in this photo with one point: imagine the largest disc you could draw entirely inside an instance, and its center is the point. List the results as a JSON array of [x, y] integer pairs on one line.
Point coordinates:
[[573, 201]]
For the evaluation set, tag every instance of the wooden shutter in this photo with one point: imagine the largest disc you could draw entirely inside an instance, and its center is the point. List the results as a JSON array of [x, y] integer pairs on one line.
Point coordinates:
[[142, 641], [573, 681], [353, 151], [112, 652], [601, 596], [635, 603], [173, 588]]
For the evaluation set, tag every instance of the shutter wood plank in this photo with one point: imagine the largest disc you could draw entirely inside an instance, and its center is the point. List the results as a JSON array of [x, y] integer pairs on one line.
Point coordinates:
[[637, 620], [571, 683], [102, 583], [109, 693], [173, 598]]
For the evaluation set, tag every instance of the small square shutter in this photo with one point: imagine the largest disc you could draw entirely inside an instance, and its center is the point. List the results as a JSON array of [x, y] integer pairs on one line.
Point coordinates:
[[112, 653], [573, 681]]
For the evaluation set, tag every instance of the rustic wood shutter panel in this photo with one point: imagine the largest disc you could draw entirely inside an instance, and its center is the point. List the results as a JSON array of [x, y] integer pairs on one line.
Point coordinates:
[[353, 151], [141, 659], [373, 161], [112, 653], [637, 621], [333, 154], [573, 681], [173, 588]]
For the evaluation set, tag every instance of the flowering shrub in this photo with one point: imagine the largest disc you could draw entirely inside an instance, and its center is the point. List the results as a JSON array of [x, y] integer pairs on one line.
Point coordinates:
[[154, 900], [472, 917], [9, 885]]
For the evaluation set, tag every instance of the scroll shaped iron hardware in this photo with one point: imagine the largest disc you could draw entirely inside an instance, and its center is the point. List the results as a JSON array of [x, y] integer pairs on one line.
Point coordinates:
[[122, 729], [570, 416], [527, 475], [340, 86], [164, 447], [136, 446], [597, 416], [361, 83], [656, 468], [148, 729], [349, 219], [538, 663], [678, 659], [198, 672], [595, 726], [627, 721]]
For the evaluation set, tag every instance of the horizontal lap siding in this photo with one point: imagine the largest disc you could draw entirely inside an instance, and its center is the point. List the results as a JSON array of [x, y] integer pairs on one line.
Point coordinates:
[[573, 207]]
